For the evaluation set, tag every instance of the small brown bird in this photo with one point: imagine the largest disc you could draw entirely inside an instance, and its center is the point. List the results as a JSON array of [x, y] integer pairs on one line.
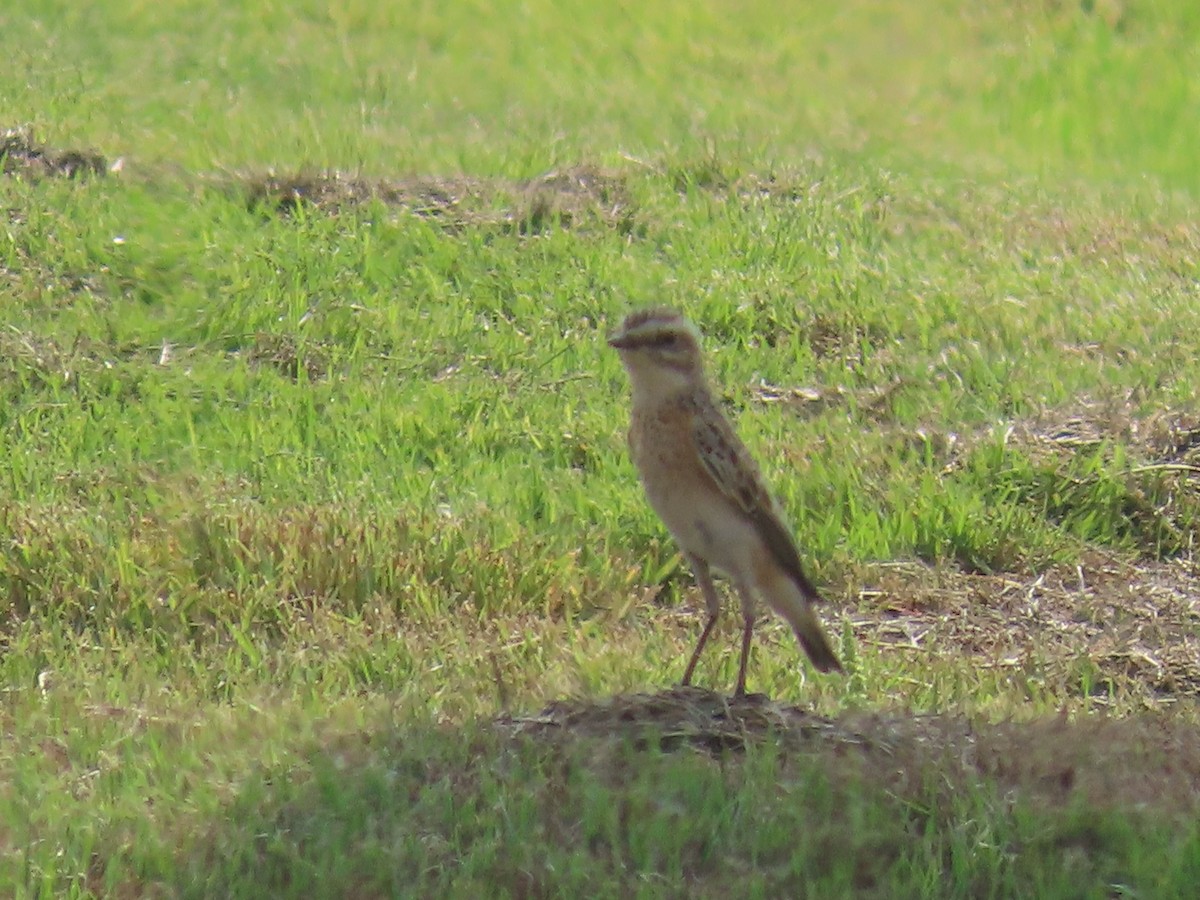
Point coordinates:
[[703, 483]]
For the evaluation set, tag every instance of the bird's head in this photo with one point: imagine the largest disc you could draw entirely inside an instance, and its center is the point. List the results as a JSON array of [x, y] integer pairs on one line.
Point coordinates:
[[661, 350]]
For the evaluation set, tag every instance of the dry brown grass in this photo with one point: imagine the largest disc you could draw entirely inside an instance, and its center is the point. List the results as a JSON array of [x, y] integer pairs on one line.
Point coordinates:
[[1109, 627], [1160, 437]]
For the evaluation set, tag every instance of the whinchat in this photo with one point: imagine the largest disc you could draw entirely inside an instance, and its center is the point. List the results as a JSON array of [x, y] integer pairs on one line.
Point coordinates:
[[703, 483]]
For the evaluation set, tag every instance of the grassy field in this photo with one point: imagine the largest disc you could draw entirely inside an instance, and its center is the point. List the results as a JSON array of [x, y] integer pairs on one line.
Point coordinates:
[[323, 568]]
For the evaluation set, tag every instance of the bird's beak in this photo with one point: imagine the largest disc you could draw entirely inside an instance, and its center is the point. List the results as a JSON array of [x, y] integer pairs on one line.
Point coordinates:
[[620, 340]]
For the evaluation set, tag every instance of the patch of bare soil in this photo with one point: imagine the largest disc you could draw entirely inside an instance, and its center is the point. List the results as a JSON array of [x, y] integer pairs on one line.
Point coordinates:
[[288, 356], [1148, 761], [1169, 439], [1109, 629], [22, 156], [40, 361], [562, 198]]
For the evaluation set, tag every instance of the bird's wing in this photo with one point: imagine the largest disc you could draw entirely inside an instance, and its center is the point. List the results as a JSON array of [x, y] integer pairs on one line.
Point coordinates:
[[734, 471]]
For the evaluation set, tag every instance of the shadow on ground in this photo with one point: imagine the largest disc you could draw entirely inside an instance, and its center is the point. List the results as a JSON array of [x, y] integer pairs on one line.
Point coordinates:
[[689, 787], [1151, 760]]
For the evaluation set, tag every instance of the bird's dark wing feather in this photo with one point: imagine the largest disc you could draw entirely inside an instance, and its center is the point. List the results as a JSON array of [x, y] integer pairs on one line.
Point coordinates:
[[734, 471]]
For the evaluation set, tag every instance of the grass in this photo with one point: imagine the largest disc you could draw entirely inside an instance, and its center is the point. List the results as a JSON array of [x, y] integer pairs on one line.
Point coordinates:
[[314, 489]]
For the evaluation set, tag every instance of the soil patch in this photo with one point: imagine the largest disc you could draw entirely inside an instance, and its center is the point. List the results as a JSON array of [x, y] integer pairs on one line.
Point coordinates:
[[22, 156], [1109, 630], [565, 198], [289, 357]]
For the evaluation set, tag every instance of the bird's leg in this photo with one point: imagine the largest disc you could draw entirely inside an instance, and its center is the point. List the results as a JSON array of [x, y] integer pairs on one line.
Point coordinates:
[[687, 673], [747, 635], [713, 601]]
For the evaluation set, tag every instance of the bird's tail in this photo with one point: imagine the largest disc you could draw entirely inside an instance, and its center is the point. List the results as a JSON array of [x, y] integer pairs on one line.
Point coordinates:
[[787, 600]]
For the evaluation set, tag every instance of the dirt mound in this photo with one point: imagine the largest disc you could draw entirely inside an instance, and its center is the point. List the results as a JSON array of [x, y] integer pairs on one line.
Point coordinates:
[[24, 157], [680, 716], [1150, 760]]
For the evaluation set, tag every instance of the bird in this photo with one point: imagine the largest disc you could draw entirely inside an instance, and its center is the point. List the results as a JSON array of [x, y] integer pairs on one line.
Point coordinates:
[[704, 484]]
